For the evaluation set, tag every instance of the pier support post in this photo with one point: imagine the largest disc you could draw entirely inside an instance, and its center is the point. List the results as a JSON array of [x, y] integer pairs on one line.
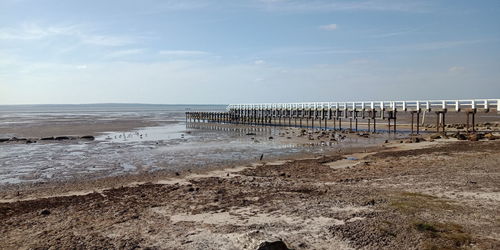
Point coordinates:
[[467, 122], [438, 117], [412, 117], [474, 121], [418, 122], [443, 123]]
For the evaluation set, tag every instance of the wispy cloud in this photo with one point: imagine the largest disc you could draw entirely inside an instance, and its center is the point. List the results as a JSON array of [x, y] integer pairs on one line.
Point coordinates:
[[328, 5], [394, 33], [428, 46], [259, 62], [332, 26], [456, 69], [122, 53], [34, 31], [183, 52]]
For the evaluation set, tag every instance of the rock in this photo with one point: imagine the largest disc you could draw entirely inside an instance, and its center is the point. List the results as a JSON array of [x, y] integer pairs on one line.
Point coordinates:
[[435, 136], [370, 203], [270, 137], [88, 137], [490, 136], [60, 138], [47, 139], [4, 139], [29, 141], [15, 139], [275, 245], [386, 141], [473, 137], [45, 212], [461, 137], [251, 134]]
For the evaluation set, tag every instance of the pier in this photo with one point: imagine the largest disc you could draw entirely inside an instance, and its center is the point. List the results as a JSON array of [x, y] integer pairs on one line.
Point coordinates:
[[348, 115]]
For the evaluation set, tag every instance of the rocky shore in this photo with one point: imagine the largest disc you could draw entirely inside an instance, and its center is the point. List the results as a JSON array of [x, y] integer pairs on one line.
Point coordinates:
[[437, 194]]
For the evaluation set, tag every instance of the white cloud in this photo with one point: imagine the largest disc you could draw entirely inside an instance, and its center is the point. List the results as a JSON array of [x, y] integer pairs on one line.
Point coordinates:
[[332, 26], [183, 52], [81, 66], [456, 69], [259, 62], [127, 52], [329, 6], [34, 31]]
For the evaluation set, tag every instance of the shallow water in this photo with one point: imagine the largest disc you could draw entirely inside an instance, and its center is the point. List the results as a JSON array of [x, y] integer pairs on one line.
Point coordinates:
[[173, 147]]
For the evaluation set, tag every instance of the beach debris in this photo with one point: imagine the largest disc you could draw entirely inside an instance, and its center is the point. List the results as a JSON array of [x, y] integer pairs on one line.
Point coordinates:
[[275, 245], [251, 134], [352, 158], [270, 137], [261, 156]]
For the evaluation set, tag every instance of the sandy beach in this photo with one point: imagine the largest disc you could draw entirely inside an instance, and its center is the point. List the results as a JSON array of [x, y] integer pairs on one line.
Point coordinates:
[[441, 194]]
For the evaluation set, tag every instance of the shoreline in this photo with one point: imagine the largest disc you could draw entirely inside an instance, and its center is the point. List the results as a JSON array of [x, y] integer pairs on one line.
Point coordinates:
[[381, 197]]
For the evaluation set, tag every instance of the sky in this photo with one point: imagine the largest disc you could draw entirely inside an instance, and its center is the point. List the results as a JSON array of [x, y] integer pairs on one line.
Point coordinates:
[[247, 51]]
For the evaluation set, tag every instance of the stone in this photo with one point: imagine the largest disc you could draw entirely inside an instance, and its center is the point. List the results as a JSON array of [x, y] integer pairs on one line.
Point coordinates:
[[88, 137], [473, 137], [435, 136], [275, 245], [4, 139], [60, 138], [461, 137], [45, 212], [251, 134], [490, 136], [47, 139]]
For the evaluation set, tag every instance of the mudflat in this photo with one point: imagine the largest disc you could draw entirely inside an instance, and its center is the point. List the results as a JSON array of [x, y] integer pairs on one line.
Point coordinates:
[[441, 194]]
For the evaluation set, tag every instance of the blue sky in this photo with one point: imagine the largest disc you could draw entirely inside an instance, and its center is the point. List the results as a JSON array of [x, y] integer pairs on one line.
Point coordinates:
[[240, 51]]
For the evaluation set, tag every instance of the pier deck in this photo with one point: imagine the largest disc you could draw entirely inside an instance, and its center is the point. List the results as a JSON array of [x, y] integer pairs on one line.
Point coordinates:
[[371, 112]]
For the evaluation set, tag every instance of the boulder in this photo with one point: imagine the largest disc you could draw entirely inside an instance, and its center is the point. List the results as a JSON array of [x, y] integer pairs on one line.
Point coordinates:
[[275, 245]]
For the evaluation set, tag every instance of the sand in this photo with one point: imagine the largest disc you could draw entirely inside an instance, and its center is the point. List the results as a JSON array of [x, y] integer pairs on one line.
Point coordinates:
[[441, 194]]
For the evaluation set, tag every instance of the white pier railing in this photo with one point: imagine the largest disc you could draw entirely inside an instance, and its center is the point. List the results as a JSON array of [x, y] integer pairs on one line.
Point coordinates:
[[482, 105]]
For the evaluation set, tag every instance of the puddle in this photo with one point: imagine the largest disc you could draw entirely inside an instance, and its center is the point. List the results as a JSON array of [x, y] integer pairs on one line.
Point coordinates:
[[166, 132]]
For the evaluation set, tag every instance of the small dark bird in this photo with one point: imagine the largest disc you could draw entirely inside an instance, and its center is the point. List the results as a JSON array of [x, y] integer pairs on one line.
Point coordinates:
[[261, 156]]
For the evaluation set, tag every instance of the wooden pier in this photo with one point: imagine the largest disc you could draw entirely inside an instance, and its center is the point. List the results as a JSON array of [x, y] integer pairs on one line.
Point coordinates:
[[317, 114]]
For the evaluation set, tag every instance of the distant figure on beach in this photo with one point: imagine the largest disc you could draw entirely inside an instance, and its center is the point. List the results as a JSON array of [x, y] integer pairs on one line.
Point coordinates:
[[261, 156]]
